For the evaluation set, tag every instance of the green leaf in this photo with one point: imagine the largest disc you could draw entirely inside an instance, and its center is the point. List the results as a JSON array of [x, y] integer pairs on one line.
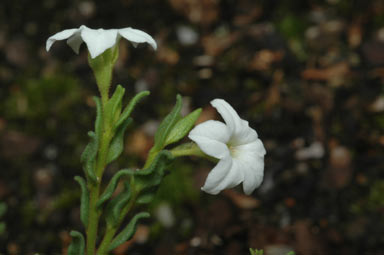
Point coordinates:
[[77, 245], [146, 197], [116, 205], [108, 192], [256, 251], [182, 127], [148, 179], [129, 108], [167, 124], [128, 231], [117, 144], [113, 106], [152, 175], [89, 155], [84, 204]]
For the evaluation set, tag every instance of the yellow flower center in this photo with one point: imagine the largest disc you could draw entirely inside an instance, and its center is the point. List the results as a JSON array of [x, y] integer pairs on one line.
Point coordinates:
[[232, 150]]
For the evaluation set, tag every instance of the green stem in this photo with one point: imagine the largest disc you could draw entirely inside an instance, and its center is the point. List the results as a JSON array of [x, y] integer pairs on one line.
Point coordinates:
[[151, 157], [111, 230], [190, 149], [102, 67], [94, 213], [93, 220]]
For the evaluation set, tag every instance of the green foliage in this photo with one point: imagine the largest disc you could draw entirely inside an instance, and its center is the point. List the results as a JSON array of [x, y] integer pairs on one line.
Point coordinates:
[[115, 206], [128, 231], [147, 180], [117, 144], [167, 124], [108, 192], [84, 205], [129, 108], [182, 127], [88, 157], [77, 245], [173, 128], [113, 106], [256, 251]]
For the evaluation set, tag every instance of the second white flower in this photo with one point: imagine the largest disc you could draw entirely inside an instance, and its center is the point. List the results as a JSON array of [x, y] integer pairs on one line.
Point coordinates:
[[237, 147]]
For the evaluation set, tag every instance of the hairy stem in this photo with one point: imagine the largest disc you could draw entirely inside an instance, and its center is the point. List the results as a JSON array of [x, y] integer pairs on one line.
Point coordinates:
[[111, 230], [94, 214]]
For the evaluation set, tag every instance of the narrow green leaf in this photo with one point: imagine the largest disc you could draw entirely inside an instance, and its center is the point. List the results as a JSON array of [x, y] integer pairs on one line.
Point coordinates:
[[167, 124], [152, 175], [90, 152], [116, 204], [84, 204], [90, 170], [146, 197], [113, 107], [77, 245], [89, 155], [131, 105], [148, 179], [128, 231], [117, 144], [182, 127], [108, 192]]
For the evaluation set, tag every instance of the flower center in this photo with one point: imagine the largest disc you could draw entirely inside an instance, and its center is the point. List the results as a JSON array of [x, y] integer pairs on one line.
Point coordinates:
[[232, 150]]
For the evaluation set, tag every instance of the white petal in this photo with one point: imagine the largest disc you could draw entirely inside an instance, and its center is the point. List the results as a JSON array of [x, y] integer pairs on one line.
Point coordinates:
[[256, 148], [227, 112], [251, 158], [240, 131], [217, 175], [253, 176], [211, 136], [211, 147], [243, 134], [137, 36], [212, 129], [98, 40], [234, 177], [65, 34], [74, 42]]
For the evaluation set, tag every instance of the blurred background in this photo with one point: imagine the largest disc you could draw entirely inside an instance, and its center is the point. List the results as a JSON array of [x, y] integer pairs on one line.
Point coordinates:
[[307, 75]]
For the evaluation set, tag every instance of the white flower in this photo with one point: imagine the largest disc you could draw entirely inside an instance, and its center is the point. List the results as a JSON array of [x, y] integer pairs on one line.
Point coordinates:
[[237, 147], [99, 40]]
